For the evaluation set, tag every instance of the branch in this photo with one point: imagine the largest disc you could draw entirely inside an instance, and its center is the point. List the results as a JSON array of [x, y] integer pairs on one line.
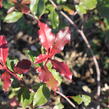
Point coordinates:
[[67, 99], [88, 46]]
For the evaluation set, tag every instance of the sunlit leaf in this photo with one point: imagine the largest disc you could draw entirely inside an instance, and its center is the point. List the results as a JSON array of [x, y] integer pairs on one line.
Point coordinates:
[[41, 96], [45, 35], [13, 17]]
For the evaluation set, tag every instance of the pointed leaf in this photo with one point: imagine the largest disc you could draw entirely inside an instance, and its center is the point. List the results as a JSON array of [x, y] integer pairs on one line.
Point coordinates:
[[5, 77], [3, 51], [62, 68], [46, 76], [45, 35], [22, 66], [41, 96], [13, 17], [62, 38]]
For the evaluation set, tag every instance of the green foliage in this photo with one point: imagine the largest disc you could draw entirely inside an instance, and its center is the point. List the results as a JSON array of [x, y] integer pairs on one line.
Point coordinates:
[[82, 99], [25, 97], [41, 96], [86, 5], [37, 7], [13, 17]]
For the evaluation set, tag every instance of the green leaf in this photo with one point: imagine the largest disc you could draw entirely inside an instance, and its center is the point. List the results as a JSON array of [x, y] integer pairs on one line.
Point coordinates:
[[77, 99], [11, 63], [37, 7], [82, 99], [13, 17], [86, 99], [41, 96], [54, 18], [25, 97], [86, 5]]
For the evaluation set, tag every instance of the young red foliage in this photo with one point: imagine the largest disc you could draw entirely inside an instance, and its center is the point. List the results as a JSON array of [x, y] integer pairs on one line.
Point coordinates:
[[52, 43], [22, 66], [3, 51], [46, 76], [5, 77], [62, 68]]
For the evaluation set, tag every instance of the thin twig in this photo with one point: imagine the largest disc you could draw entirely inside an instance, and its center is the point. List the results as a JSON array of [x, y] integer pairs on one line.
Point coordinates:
[[67, 99], [88, 46]]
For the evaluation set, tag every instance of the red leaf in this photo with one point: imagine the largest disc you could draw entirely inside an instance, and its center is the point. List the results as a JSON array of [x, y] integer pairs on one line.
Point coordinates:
[[46, 37], [46, 76], [5, 77], [62, 38], [3, 50], [1, 3], [41, 58], [62, 68], [22, 66]]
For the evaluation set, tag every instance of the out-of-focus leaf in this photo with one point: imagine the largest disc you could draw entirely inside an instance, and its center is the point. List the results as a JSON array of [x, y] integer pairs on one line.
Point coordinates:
[[22, 66], [13, 17], [41, 96], [5, 77], [82, 99], [86, 99], [37, 7], [86, 5], [1, 3], [3, 51], [62, 68], [77, 99], [54, 18]]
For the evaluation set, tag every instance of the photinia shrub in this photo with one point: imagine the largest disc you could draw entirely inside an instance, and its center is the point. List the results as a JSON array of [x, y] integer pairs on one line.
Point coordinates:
[[50, 71]]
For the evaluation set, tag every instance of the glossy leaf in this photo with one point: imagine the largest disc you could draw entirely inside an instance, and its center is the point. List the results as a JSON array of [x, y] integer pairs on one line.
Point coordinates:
[[62, 68], [5, 77], [13, 17], [62, 38], [46, 76], [45, 35], [22, 66], [41, 96], [37, 7], [3, 51]]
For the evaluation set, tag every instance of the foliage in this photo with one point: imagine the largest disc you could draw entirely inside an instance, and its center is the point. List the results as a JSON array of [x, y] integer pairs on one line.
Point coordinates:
[[53, 36]]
